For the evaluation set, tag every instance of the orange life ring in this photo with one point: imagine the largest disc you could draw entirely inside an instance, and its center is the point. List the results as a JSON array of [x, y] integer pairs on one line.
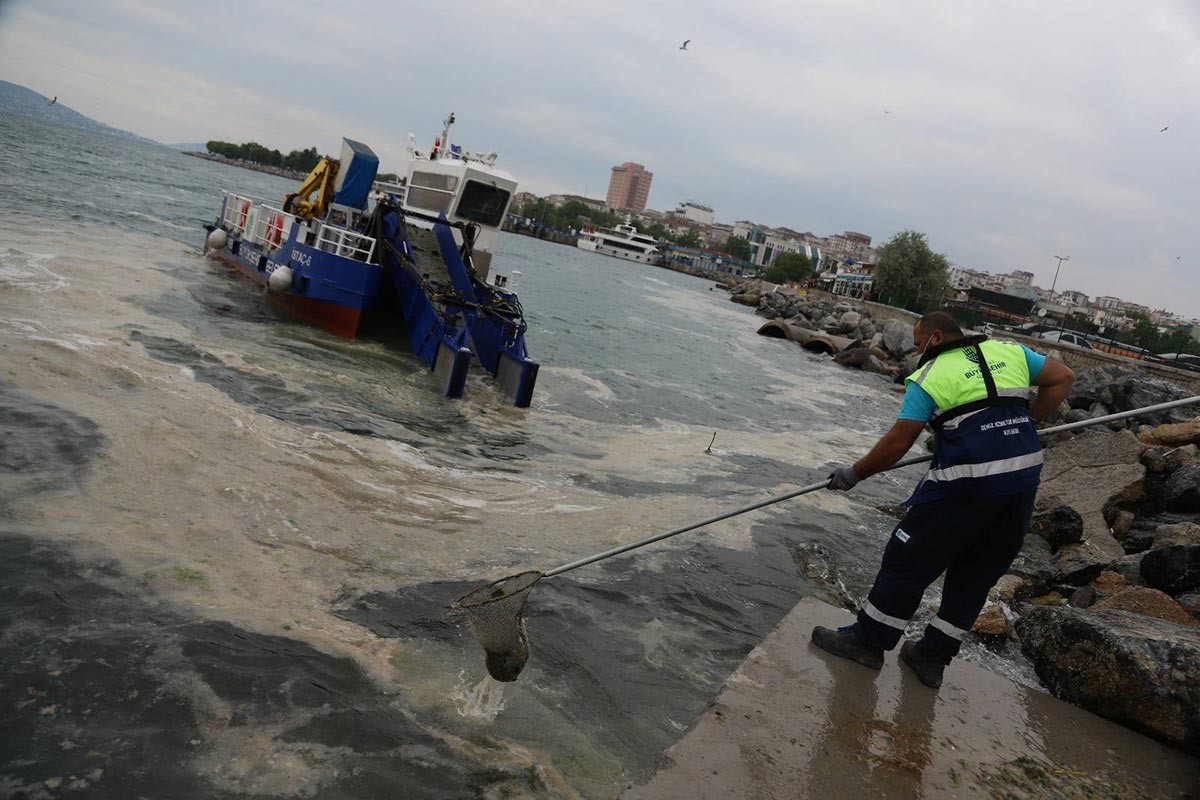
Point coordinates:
[[275, 230], [245, 214]]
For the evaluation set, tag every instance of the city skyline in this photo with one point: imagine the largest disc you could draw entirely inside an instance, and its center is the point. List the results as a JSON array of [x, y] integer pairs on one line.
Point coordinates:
[[1003, 149]]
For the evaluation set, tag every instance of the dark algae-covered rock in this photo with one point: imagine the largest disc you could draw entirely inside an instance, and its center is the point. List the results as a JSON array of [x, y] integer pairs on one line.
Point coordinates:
[[1059, 526], [1139, 671], [1174, 569]]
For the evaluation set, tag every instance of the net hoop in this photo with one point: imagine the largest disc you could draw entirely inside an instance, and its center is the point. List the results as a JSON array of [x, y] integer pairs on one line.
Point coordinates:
[[485, 595]]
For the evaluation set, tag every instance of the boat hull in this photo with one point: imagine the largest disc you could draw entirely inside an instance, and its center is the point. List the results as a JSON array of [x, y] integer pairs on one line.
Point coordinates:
[[339, 319], [627, 255]]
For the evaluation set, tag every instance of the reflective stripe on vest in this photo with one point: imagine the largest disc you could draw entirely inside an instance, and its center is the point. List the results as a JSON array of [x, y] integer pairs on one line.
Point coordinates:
[[986, 443]]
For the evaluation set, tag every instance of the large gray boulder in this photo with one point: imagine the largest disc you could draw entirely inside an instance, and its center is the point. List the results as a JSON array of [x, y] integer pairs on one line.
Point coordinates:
[[1092, 472], [850, 320], [1139, 671], [897, 337], [853, 356], [1176, 533], [1174, 569]]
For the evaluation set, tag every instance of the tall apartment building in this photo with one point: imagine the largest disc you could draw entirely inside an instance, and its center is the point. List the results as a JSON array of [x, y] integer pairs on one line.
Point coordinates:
[[629, 187]]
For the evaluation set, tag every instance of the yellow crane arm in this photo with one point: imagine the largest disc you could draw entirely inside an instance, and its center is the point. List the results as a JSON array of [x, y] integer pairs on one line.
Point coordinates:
[[320, 180]]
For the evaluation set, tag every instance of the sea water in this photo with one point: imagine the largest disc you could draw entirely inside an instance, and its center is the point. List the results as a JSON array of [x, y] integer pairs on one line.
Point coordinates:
[[229, 539]]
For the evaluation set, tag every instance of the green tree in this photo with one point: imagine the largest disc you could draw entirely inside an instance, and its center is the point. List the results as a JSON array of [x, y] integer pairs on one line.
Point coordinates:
[[689, 238], [738, 247], [789, 267], [909, 274]]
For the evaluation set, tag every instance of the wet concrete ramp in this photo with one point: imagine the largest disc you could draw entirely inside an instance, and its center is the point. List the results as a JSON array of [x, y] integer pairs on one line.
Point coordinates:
[[795, 722]]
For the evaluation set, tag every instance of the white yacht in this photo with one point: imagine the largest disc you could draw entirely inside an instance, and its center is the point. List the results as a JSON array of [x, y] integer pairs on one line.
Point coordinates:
[[623, 241]]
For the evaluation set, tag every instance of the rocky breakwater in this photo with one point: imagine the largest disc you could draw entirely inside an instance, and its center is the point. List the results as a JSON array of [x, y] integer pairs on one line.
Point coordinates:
[[1104, 598], [845, 330]]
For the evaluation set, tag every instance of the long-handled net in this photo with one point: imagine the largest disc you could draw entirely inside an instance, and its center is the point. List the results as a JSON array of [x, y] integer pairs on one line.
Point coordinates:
[[495, 612]]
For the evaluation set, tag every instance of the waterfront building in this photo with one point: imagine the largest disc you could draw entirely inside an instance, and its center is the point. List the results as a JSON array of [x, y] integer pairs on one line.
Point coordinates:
[[1074, 298], [1107, 303], [557, 200], [696, 212], [962, 279], [629, 187], [766, 246], [1129, 305], [850, 245], [716, 234]]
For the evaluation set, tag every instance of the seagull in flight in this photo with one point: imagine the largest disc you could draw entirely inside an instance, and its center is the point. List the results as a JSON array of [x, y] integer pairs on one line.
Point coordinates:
[[52, 102], [1164, 130], [685, 44], [887, 111]]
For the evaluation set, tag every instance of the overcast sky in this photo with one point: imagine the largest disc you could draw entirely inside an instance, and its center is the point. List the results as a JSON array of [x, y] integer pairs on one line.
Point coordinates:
[[1017, 130]]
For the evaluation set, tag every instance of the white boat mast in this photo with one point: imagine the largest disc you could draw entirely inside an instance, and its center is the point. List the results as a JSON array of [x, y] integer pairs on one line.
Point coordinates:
[[446, 134]]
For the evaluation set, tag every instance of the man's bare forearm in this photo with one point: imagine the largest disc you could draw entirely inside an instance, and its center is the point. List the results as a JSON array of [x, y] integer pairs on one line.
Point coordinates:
[[890, 448], [1048, 398], [1054, 384]]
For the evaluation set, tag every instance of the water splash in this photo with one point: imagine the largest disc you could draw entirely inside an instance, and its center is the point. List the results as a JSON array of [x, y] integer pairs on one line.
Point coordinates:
[[484, 702]]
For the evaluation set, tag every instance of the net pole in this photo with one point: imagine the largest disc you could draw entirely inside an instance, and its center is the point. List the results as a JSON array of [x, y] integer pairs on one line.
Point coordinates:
[[908, 462]]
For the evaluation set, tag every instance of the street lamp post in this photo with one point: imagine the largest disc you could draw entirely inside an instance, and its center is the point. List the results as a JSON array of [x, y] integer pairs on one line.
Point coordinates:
[[1056, 269]]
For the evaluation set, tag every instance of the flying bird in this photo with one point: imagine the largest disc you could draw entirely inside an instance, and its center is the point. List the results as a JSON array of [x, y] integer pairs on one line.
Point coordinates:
[[887, 111], [52, 102], [685, 44], [1164, 130]]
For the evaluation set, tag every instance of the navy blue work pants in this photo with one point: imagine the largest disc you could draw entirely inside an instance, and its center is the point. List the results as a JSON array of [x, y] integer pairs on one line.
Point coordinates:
[[973, 540]]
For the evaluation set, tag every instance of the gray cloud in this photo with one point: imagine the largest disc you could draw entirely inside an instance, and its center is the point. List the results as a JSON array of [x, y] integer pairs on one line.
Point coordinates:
[[1018, 129]]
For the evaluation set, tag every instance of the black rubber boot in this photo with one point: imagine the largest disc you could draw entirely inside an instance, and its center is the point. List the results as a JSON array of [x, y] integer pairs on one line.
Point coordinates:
[[928, 672], [846, 642]]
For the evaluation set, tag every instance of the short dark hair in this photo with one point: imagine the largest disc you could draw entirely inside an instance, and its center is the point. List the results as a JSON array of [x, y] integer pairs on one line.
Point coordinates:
[[936, 321]]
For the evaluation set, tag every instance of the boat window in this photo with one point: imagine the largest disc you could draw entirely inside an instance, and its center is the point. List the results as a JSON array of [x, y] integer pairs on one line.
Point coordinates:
[[431, 180], [431, 191], [482, 203]]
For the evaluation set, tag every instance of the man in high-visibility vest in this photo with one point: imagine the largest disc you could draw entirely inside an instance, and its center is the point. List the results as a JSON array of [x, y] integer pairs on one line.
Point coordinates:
[[969, 514]]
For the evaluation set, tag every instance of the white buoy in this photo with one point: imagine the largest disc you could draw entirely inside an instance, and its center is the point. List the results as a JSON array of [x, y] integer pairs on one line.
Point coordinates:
[[281, 279], [216, 240]]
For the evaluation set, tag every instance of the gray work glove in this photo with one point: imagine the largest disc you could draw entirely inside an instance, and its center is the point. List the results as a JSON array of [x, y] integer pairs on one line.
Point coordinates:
[[843, 479]]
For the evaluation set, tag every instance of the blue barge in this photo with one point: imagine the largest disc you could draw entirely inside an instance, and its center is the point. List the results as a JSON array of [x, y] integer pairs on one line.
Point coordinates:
[[342, 251]]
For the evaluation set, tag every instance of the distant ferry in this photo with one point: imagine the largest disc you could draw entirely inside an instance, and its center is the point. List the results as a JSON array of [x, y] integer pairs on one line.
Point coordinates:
[[623, 241]]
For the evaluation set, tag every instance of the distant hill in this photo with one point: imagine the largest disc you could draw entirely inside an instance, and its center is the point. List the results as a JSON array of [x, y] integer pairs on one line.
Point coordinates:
[[16, 99]]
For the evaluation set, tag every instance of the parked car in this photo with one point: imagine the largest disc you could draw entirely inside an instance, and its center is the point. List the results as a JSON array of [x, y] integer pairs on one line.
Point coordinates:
[[1180, 360], [1066, 337]]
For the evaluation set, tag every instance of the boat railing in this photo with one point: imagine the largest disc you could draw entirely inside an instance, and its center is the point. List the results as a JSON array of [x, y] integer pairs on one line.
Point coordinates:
[[235, 213], [271, 227], [345, 242]]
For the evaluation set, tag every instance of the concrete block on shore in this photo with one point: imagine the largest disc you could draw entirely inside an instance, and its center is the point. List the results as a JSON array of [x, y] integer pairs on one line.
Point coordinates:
[[795, 722]]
